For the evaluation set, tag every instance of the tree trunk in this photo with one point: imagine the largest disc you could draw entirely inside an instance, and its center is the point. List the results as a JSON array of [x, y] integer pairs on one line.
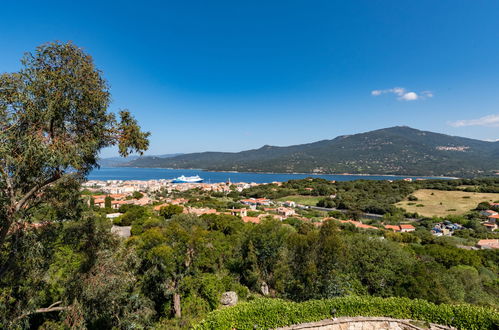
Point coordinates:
[[5, 222], [176, 305]]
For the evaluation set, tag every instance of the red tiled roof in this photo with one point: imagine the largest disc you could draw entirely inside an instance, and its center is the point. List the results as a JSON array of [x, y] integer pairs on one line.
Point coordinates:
[[358, 224], [251, 219], [492, 243]]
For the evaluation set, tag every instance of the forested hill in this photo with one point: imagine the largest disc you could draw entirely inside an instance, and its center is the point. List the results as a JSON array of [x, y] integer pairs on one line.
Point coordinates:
[[396, 150]]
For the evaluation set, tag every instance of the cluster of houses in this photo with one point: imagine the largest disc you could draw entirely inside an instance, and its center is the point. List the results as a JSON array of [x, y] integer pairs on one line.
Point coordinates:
[[124, 187], [171, 201], [117, 200], [402, 228], [254, 202], [130, 186], [261, 207], [445, 228], [120, 193], [492, 218]]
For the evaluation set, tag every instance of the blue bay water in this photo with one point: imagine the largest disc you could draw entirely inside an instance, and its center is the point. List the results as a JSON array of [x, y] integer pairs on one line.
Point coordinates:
[[132, 173]]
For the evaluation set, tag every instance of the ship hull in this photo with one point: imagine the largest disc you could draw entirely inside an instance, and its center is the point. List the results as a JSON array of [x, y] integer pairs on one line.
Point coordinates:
[[187, 181]]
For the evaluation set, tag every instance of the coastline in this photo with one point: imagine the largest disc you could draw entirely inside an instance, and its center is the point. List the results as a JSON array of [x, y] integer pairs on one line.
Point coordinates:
[[296, 173]]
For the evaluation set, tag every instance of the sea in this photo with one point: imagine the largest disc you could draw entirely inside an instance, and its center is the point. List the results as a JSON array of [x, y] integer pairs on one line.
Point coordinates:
[[133, 173]]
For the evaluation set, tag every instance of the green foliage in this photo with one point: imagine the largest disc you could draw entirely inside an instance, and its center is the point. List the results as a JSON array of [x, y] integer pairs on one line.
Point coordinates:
[[107, 202], [483, 206], [169, 211], [109, 296], [450, 256], [273, 313], [54, 121], [262, 254], [326, 202], [137, 195], [132, 214], [361, 195]]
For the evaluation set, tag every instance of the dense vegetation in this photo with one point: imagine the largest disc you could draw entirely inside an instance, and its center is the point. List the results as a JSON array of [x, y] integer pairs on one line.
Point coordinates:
[[171, 272], [272, 313], [367, 195], [396, 150]]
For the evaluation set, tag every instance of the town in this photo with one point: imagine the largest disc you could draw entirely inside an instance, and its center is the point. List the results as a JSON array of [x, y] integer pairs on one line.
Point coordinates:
[[112, 195]]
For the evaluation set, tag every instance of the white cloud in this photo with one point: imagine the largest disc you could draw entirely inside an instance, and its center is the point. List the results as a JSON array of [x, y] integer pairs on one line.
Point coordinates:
[[409, 96], [403, 94], [487, 121]]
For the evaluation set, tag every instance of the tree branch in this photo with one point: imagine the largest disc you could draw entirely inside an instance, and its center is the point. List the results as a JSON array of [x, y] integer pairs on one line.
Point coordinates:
[[54, 179], [51, 308]]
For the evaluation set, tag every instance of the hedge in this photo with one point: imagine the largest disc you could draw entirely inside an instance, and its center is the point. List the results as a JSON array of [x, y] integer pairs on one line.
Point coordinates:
[[265, 313]]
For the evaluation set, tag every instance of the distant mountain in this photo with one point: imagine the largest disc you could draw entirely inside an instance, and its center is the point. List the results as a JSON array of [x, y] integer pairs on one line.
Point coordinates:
[[397, 150], [120, 161]]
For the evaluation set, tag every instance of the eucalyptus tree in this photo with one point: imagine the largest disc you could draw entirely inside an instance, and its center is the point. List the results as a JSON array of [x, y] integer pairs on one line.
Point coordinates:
[[182, 248], [54, 120]]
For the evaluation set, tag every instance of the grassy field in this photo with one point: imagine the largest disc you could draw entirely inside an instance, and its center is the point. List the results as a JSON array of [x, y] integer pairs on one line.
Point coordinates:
[[441, 203], [304, 200]]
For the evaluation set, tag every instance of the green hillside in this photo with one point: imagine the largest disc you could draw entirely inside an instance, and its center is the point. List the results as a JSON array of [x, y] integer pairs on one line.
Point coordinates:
[[395, 150]]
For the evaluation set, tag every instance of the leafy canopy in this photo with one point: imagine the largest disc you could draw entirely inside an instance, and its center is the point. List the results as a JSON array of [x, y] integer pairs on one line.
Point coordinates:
[[54, 120]]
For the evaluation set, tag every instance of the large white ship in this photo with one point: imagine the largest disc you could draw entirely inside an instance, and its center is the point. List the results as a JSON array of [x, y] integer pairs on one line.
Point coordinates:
[[188, 179]]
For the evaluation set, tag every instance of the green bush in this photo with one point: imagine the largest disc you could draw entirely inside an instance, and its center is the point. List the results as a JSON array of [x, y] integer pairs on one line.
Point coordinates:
[[272, 313]]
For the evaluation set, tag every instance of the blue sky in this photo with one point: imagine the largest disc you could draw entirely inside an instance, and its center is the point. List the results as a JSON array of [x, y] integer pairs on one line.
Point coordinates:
[[235, 75]]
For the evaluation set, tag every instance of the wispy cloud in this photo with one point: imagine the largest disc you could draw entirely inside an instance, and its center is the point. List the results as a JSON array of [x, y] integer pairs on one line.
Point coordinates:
[[487, 121], [403, 94]]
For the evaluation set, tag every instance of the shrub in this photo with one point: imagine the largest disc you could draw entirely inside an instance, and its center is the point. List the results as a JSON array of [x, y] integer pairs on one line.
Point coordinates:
[[169, 211], [272, 313]]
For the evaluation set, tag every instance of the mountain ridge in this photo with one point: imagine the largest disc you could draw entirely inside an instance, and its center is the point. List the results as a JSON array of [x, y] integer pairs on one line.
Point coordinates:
[[118, 161], [398, 150]]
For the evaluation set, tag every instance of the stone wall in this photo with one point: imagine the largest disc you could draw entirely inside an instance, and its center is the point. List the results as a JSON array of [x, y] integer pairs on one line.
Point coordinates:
[[365, 323]]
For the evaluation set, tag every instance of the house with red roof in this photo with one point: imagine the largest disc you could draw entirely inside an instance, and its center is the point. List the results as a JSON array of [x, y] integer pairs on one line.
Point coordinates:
[[392, 227], [491, 226], [198, 211], [239, 212], [251, 219], [489, 213], [358, 224], [488, 244], [493, 218], [404, 228], [285, 211]]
